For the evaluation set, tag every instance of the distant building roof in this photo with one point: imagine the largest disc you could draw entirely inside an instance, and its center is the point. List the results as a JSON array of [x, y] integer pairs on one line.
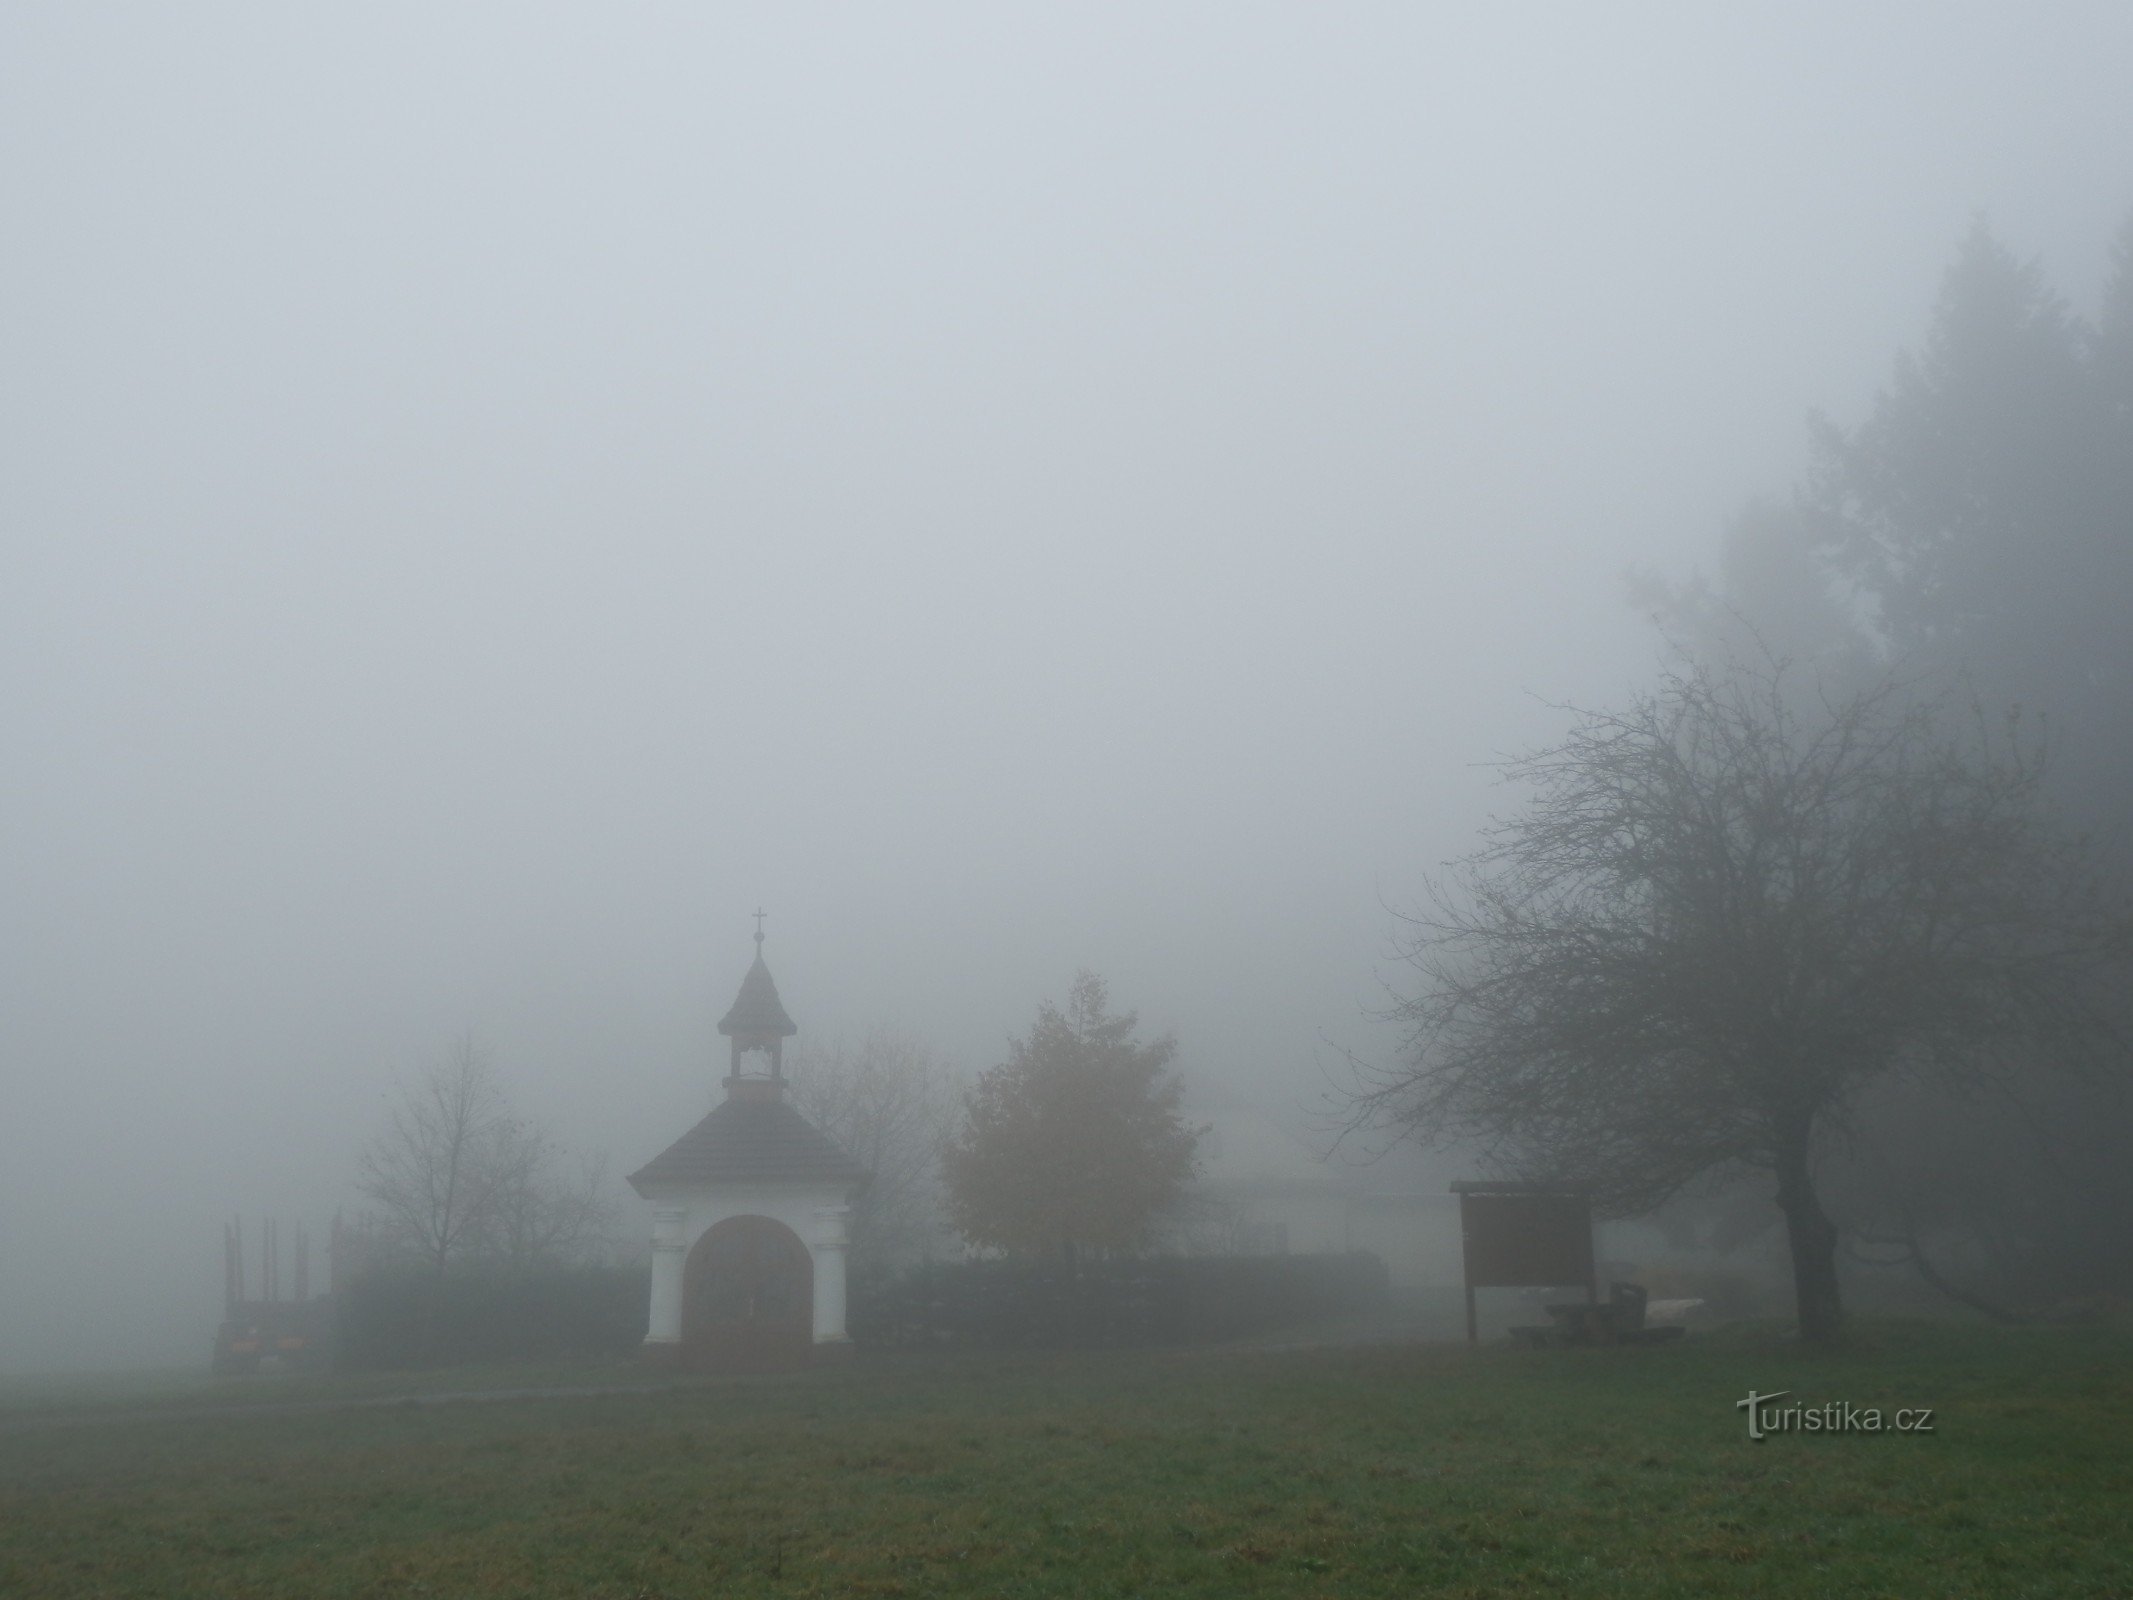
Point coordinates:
[[757, 1009], [750, 1140]]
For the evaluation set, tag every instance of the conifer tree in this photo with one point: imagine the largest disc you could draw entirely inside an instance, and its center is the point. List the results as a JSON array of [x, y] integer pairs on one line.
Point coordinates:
[[1075, 1142]]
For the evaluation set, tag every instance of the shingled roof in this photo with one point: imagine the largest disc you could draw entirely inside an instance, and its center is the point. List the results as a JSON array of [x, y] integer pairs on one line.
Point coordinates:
[[747, 1141], [757, 1009]]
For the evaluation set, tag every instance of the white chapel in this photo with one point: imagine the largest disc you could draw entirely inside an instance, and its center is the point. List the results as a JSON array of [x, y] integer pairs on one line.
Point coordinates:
[[748, 1214]]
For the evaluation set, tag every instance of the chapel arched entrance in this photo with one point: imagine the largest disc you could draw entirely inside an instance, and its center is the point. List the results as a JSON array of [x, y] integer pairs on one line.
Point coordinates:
[[748, 1297]]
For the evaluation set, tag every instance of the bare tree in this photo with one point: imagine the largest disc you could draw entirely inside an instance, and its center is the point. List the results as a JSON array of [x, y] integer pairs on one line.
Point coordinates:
[[429, 1170], [1725, 912], [543, 1211], [456, 1177], [888, 1104]]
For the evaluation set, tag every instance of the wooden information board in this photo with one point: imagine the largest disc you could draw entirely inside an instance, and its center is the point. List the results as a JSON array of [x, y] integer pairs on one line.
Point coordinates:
[[1524, 1236]]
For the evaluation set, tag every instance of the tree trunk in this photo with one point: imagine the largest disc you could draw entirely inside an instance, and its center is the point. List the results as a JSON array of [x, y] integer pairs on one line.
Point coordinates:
[[1813, 1238]]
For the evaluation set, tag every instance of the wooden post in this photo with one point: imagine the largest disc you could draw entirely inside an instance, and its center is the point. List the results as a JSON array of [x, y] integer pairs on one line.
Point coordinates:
[[1466, 1268]]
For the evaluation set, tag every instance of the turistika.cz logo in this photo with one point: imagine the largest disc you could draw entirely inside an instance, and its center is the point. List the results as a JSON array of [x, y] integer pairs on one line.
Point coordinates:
[[1765, 1417]]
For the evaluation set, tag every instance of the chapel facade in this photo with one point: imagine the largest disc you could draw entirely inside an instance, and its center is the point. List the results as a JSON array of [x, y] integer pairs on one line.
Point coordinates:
[[748, 1214]]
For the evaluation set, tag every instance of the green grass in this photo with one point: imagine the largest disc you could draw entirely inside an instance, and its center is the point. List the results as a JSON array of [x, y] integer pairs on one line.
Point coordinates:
[[1336, 1472]]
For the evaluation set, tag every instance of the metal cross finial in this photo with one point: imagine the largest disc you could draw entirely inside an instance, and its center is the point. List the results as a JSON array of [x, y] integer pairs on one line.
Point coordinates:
[[759, 916]]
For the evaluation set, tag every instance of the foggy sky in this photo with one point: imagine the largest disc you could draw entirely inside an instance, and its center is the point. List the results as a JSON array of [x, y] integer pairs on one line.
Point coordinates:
[[492, 494]]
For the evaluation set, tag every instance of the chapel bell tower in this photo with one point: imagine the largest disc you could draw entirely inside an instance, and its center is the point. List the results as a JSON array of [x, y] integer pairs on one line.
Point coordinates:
[[757, 1022]]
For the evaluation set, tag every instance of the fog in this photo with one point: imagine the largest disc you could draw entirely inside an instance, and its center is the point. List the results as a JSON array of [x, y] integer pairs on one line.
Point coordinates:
[[491, 496]]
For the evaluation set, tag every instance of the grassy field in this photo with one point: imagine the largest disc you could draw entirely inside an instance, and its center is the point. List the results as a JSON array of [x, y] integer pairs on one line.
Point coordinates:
[[1429, 1469], [190, 1390]]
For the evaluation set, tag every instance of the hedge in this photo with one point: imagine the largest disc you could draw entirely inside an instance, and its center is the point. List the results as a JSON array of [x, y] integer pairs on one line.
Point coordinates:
[[403, 1318], [1154, 1300]]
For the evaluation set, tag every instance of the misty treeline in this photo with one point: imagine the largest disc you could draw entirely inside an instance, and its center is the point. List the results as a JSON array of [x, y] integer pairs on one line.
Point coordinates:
[[1977, 524], [1073, 1143], [1836, 915], [488, 1241], [1974, 534]]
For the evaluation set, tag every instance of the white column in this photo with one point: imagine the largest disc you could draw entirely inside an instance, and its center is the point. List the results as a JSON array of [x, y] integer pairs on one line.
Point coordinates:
[[828, 1252], [667, 1223]]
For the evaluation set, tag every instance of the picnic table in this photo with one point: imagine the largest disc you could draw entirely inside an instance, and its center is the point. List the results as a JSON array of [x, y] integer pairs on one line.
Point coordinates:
[[1619, 1319]]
